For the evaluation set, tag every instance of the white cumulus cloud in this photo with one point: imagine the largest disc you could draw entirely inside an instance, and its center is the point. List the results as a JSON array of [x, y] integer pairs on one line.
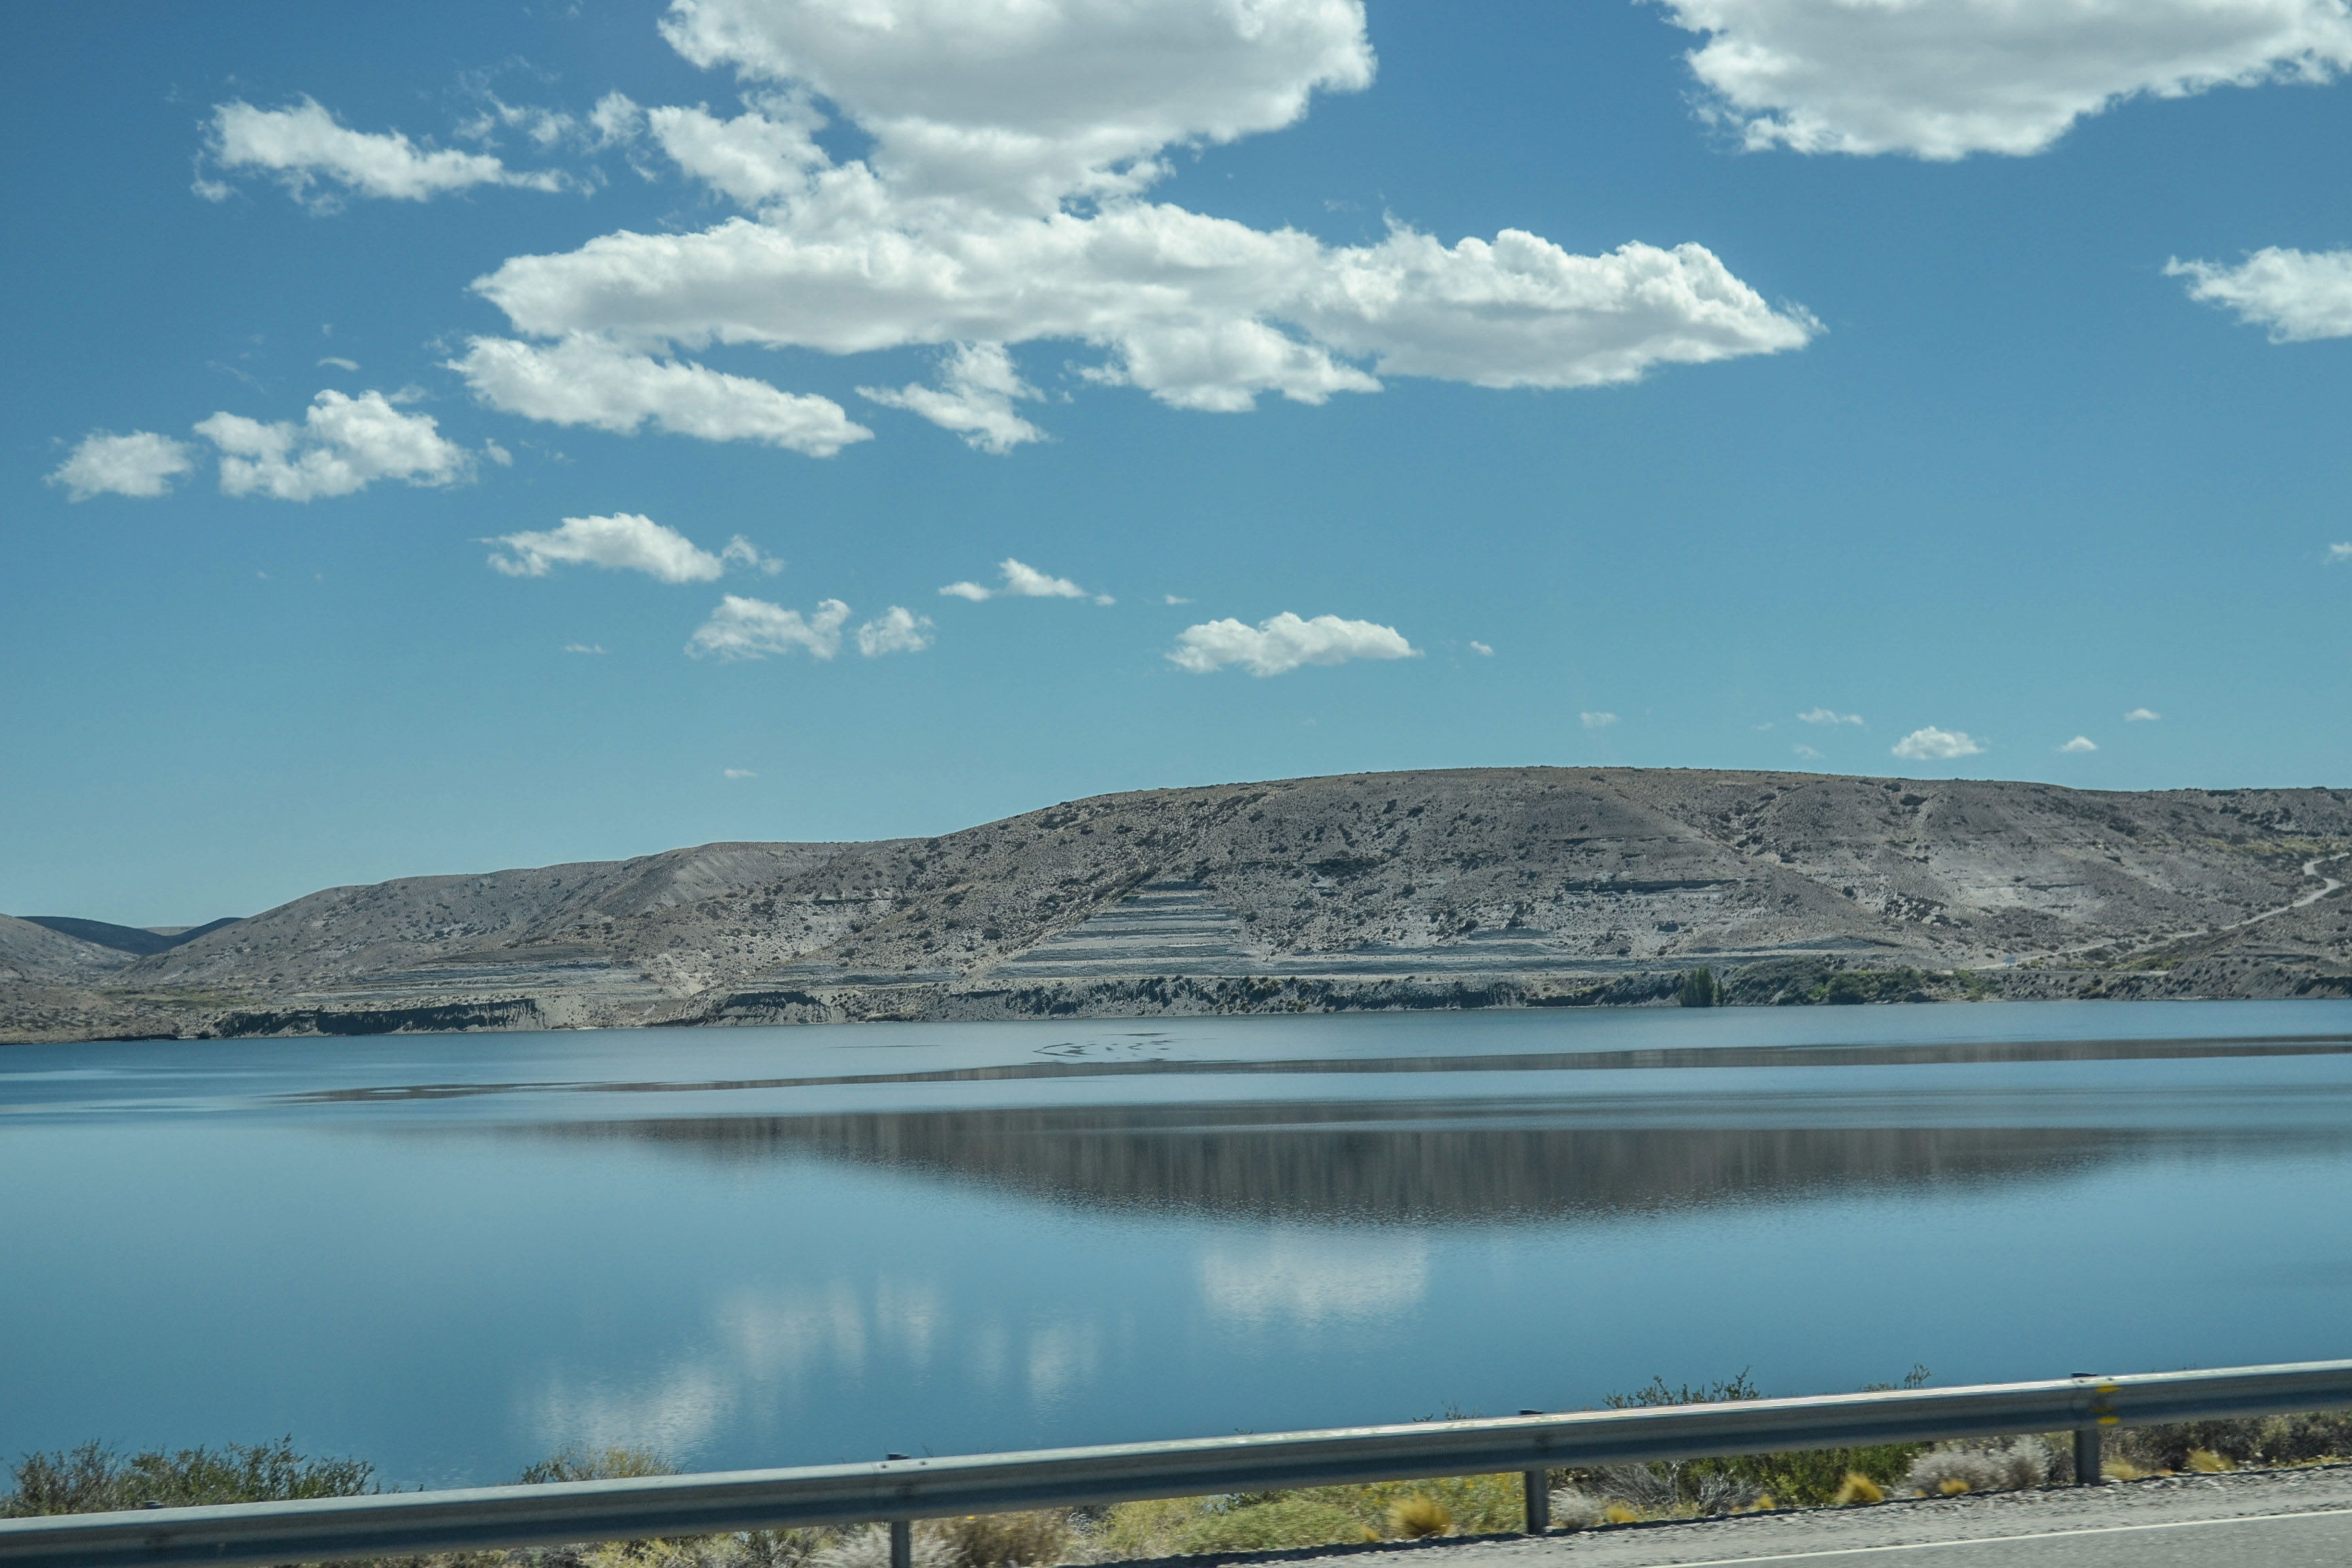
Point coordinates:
[[584, 381], [1284, 642], [305, 144], [1481, 649], [1931, 744], [1828, 716], [1942, 79], [344, 444], [1201, 312], [1029, 100], [895, 630], [1023, 582], [2340, 553], [625, 542], [2080, 743], [753, 629], [2297, 295], [139, 464], [974, 399], [1597, 721], [2142, 716], [1002, 203], [1807, 752]]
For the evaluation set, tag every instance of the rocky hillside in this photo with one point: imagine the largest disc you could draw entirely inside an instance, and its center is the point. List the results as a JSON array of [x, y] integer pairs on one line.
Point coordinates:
[[1492, 887]]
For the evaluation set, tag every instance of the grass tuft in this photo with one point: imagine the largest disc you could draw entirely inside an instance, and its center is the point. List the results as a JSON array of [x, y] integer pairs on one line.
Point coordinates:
[[1416, 1517], [1858, 1488]]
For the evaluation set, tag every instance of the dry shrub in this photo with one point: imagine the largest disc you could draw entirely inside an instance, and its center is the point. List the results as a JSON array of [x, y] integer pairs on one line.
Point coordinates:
[[1951, 1469], [1572, 1508], [1033, 1540], [1858, 1488], [869, 1547], [1676, 1488], [2206, 1462], [2264, 1440]]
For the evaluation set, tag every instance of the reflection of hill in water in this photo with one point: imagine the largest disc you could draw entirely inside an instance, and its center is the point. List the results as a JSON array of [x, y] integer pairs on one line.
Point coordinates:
[[1356, 1163]]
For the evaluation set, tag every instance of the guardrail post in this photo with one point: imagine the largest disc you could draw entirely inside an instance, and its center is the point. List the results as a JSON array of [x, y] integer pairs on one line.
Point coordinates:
[[1539, 1490], [2089, 1470], [902, 1535]]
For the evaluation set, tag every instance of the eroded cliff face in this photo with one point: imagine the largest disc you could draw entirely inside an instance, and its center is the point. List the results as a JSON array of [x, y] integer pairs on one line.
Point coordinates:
[[1489, 886]]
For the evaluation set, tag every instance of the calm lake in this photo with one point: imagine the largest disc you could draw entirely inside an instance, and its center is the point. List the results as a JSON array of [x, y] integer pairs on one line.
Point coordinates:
[[452, 1255]]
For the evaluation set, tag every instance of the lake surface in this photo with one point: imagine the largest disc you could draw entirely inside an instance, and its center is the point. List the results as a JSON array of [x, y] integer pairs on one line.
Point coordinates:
[[453, 1254]]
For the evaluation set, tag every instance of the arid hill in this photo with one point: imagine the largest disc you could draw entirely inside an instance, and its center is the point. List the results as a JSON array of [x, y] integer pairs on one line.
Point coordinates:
[[1489, 886]]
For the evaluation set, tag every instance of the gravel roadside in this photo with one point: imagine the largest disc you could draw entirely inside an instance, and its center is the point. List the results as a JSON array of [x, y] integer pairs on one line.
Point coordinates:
[[2165, 1499]]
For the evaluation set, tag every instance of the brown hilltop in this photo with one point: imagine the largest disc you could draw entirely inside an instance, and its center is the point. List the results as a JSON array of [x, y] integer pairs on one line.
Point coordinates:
[[1526, 886]]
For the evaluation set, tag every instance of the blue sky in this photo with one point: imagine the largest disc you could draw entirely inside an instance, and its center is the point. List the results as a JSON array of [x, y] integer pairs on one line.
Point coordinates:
[[1593, 384]]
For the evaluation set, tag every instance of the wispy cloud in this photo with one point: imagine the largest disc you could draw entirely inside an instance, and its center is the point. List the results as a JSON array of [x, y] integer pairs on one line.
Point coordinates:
[[319, 160], [1828, 716], [584, 647], [1806, 751], [1931, 744], [1597, 720], [2340, 553], [1284, 642], [339, 363], [737, 774], [1481, 649], [584, 381], [2080, 743], [2142, 716], [1174, 599], [974, 399], [142, 464], [753, 629], [1023, 582]]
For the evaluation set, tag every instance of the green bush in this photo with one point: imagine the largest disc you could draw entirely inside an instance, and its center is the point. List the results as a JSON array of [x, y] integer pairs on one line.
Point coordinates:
[[1308, 1516], [1810, 1477], [1699, 989], [95, 1479], [573, 1463]]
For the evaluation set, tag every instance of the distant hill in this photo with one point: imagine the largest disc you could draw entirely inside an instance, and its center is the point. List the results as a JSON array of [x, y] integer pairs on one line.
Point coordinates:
[[1532, 887], [139, 940]]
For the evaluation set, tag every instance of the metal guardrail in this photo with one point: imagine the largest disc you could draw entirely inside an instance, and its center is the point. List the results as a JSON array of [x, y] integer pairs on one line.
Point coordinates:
[[899, 1490]]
